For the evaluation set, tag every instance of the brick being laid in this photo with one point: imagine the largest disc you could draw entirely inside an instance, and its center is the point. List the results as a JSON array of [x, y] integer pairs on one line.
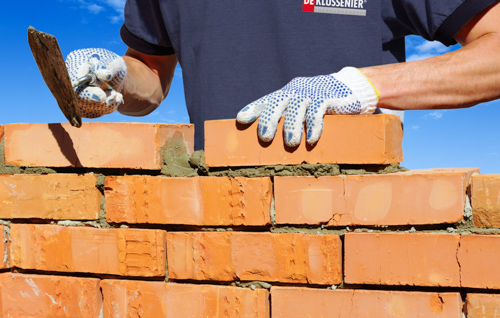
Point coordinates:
[[25, 295], [94, 145], [274, 257], [485, 200], [52, 196], [215, 201], [298, 302], [405, 198], [124, 252], [356, 139], [123, 298]]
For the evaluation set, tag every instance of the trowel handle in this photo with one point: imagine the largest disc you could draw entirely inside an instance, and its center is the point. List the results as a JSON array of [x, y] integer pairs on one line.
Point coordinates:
[[90, 78]]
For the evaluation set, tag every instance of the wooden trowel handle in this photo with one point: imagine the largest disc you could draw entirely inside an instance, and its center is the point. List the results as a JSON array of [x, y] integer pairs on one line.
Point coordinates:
[[51, 64]]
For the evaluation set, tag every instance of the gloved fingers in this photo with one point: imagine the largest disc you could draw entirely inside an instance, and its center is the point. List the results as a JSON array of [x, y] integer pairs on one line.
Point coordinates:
[[347, 105], [294, 120], [314, 119], [112, 72], [94, 102], [252, 111], [271, 115]]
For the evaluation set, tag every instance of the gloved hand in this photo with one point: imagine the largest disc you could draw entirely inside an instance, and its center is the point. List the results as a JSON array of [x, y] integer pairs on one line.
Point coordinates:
[[101, 97], [309, 98]]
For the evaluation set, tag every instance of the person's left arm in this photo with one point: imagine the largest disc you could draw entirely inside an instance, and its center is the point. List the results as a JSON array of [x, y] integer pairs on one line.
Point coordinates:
[[463, 78]]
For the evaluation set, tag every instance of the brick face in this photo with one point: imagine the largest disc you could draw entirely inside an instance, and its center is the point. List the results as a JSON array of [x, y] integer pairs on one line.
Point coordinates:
[[53, 196], [392, 199], [49, 296], [216, 201], [374, 139], [485, 200], [126, 252], [158, 299], [94, 145], [293, 302], [479, 259], [227, 256], [483, 305], [419, 259]]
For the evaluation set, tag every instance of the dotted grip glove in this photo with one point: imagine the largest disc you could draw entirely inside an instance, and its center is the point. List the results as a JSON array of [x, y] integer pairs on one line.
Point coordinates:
[[309, 99], [100, 96]]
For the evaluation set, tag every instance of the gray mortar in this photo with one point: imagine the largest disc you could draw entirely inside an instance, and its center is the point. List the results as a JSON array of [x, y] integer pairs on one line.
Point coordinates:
[[252, 284], [198, 167]]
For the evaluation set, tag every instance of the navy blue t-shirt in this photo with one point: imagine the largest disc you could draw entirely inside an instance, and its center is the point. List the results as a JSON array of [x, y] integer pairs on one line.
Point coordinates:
[[233, 52]]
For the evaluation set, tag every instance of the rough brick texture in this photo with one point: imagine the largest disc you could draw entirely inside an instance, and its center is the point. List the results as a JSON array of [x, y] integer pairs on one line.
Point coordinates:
[[374, 139], [53, 196], [228, 256], [159, 299], [486, 200], [95, 145], [420, 259], [4, 247], [126, 252], [217, 201], [306, 302], [49, 296], [392, 199], [479, 258], [483, 306]]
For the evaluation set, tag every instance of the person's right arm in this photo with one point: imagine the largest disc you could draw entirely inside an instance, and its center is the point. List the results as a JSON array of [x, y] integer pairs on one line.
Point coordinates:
[[147, 82]]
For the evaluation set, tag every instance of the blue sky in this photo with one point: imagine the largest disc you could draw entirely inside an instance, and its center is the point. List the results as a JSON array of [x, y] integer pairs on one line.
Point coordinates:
[[432, 139]]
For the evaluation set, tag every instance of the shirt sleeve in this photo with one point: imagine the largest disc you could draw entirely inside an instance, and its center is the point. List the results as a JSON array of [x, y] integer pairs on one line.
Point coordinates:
[[434, 20], [144, 29]]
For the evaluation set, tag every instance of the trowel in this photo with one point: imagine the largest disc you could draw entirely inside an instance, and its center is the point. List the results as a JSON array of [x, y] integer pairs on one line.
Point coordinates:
[[51, 63]]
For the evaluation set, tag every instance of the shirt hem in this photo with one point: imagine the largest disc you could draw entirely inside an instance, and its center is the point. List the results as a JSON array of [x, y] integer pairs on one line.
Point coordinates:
[[142, 46], [461, 16]]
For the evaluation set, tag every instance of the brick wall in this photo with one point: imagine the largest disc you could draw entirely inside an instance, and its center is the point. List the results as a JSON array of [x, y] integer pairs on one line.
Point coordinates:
[[124, 220]]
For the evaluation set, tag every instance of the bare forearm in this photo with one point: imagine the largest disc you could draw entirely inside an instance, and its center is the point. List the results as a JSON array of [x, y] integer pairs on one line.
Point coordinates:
[[147, 83], [458, 79]]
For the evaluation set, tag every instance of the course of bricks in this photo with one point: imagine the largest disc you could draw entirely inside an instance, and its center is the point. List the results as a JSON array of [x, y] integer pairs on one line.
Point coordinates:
[[91, 226]]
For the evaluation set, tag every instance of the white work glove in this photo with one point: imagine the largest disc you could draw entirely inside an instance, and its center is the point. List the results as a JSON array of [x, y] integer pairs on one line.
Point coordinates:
[[308, 99], [102, 96]]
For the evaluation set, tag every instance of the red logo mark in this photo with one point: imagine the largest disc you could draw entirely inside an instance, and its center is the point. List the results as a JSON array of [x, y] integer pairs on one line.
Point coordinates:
[[308, 6]]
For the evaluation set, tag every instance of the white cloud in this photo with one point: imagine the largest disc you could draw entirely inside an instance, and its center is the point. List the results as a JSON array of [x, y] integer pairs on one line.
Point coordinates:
[[94, 8], [438, 114], [415, 127], [419, 49]]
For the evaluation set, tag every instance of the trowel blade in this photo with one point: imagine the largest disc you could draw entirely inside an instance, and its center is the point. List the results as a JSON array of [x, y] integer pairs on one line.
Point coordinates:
[[51, 64]]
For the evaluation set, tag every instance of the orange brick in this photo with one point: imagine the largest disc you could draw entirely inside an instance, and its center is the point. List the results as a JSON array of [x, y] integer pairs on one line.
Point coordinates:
[[391, 199], [479, 258], [466, 172], [49, 296], [486, 200], [483, 305], [158, 299], [228, 256], [420, 259], [191, 201], [1, 132], [374, 139], [95, 145], [293, 302], [53, 196], [4, 247], [126, 252]]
